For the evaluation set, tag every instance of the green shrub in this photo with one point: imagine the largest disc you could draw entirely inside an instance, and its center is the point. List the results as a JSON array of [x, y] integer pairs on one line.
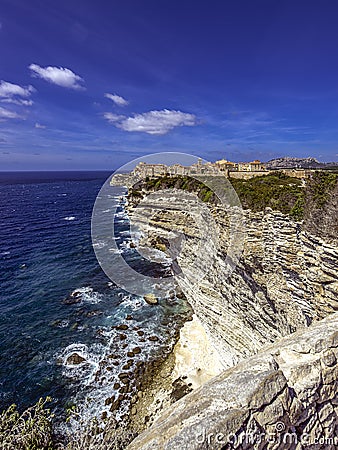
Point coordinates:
[[277, 191], [297, 211], [207, 196], [31, 430], [321, 186]]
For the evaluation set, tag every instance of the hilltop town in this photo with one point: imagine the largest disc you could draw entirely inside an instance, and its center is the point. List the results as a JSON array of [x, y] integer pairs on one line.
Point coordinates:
[[300, 168], [241, 170]]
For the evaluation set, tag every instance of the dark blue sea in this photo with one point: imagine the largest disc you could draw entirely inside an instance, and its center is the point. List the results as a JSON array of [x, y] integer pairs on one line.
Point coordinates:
[[55, 300]]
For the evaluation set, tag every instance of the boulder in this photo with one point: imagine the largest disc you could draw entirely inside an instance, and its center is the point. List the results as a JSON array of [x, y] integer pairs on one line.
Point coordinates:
[[151, 299], [75, 359]]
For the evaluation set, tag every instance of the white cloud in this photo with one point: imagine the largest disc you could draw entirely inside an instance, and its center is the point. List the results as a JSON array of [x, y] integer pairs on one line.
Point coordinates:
[[60, 76], [113, 118], [117, 99], [39, 125], [152, 122], [10, 89], [18, 101], [13, 93], [6, 114]]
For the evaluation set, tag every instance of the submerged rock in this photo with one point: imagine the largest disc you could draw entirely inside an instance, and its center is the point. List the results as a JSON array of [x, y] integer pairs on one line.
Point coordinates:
[[96, 312], [114, 403], [127, 365], [136, 350], [75, 297], [151, 299], [123, 376]]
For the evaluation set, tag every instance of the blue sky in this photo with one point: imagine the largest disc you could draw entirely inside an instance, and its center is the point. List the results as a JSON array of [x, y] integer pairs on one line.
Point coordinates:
[[92, 85]]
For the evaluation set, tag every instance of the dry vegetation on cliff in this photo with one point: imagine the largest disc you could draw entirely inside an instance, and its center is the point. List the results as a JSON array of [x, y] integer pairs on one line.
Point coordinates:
[[34, 429]]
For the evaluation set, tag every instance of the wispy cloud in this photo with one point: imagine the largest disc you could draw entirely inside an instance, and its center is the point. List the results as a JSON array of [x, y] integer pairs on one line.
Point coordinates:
[[294, 129], [39, 125], [7, 114], [255, 126], [117, 99], [20, 102], [246, 119], [152, 122], [16, 94], [113, 118], [60, 76]]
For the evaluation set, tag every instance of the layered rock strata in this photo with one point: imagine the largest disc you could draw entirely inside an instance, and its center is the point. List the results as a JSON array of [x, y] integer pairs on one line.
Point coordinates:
[[284, 279], [285, 397]]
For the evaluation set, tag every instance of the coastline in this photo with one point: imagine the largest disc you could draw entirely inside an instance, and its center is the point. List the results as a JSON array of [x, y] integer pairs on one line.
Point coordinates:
[[192, 362]]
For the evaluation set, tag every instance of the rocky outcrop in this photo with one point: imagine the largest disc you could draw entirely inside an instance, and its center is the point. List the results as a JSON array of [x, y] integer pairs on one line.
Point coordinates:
[[285, 397], [291, 162]]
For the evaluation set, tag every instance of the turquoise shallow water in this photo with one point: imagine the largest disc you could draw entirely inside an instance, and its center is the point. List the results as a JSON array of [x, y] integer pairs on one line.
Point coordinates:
[[45, 255]]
